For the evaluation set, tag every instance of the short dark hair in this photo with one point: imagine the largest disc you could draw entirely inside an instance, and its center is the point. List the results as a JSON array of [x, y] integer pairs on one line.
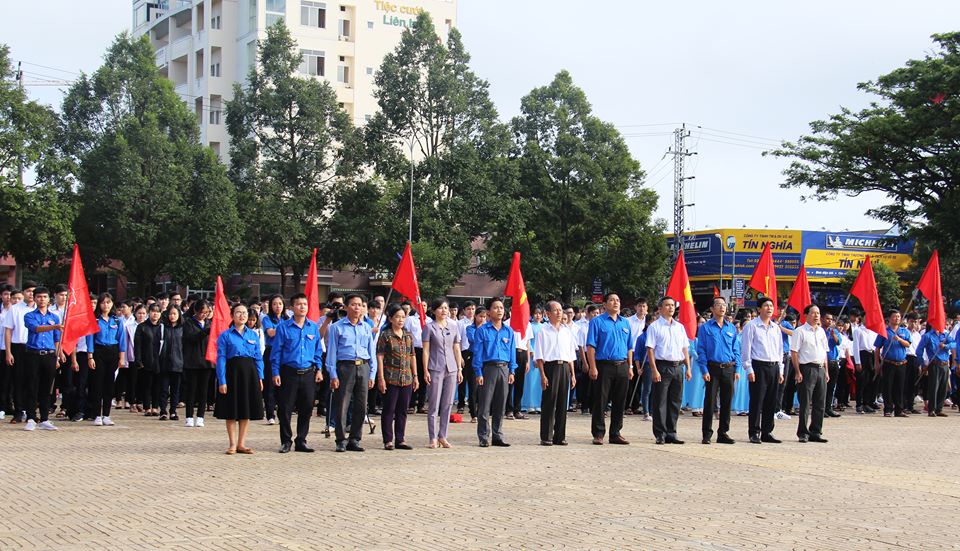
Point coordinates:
[[297, 297], [609, 294], [808, 307], [912, 316], [29, 284], [467, 304], [198, 307], [496, 299], [639, 301], [480, 310], [438, 302], [162, 296], [890, 312], [392, 310], [333, 296], [664, 298], [764, 300], [592, 308], [41, 291], [60, 288], [715, 299], [351, 296]]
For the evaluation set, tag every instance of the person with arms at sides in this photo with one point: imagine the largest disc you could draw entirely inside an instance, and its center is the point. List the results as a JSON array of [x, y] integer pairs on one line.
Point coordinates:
[[494, 364], [863, 357], [43, 340], [788, 388], [478, 317], [936, 347], [413, 326], [468, 310], [610, 357], [109, 346], [396, 377], [668, 352], [718, 356], [585, 385], [295, 359], [146, 341], [912, 372], [890, 355], [196, 369], [352, 366], [515, 392], [239, 379], [376, 320], [276, 313], [441, 352], [171, 363], [15, 335], [644, 371], [638, 323], [833, 361], [761, 351], [554, 351], [808, 355]]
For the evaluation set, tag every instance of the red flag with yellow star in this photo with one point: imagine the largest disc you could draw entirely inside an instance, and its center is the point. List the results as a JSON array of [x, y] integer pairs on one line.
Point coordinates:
[[679, 290], [519, 308], [764, 279]]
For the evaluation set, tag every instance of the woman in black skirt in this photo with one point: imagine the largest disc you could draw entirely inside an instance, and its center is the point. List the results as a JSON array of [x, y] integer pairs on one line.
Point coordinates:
[[239, 378]]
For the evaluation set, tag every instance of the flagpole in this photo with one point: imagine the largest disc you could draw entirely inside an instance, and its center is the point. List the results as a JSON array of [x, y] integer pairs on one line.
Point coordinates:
[[842, 308], [410, 232], [384, 309], [63, 326]]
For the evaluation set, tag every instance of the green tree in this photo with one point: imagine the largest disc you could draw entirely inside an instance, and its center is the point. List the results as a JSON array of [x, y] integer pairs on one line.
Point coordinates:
[[906, 145], [37, 216], [291, 144], [585, 213], [431, 100], [149, 195], [888, 285]]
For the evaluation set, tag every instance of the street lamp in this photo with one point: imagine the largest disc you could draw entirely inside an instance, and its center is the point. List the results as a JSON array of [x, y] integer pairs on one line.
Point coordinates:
[[732, 245], [720, 239]]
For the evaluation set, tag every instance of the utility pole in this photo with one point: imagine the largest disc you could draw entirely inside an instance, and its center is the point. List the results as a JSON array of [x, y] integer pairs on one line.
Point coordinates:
[[20, 157], [679, 152]]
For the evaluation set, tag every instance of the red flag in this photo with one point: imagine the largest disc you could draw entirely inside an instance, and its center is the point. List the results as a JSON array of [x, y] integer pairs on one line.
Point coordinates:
[[716, 292], [221, 321], [405, 283], [930, 287], [800, 294], [517, 290], [865, 289], [79, 320], [938, 98], [679, 290], [310, 289], [764, 278]]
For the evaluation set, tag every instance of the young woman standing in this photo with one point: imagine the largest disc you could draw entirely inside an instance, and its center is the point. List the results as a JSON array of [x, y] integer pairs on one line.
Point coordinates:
[[109, 346], [146, 343], [171, 363], [444, 369], [239, 379], [276, 313], [196, 368]]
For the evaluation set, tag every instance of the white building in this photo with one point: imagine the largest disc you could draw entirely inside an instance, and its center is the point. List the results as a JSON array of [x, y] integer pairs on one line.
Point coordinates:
[[204, 46]]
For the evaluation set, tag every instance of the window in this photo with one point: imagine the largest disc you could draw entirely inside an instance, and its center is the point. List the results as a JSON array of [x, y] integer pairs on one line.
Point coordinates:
[[369, 70], [313, 14], [251, 54], [214, 116], [342, 59], [366, 118], [215, 69], [343, 74], [140, 15], [344, 28], [343, 8], [215, 22], [369, 24], [313, 63], [252, 23], [276, 11]]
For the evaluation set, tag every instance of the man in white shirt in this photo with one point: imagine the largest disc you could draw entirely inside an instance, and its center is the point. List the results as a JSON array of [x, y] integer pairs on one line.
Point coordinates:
[[412, 324], [808, 353], [15, 335], [468, 309], [515, 392], [863, 347], [762, 355], [913, 364], [637, 322], [667, 352], [584, 383], [554, 351]]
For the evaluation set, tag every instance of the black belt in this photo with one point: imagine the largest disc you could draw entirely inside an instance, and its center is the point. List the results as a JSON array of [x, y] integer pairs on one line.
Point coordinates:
[[811, 364], [496, 364], [352, 362], [40, 352], [898, 364], [300, 371], [670, 363], [553, 362], [721, 365], [939, 363], [616, 363], [764, 363]]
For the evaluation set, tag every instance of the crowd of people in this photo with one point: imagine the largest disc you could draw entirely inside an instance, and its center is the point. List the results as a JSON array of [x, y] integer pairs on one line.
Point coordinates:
[[366, 358]]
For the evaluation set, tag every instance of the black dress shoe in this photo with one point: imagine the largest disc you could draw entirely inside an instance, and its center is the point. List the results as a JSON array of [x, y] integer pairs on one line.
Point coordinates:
[[724, 439], [560, 443], [755, 440], [705, 441], [484, 444], [500, 444], [768, 438], [174, 417], [618, 440], [303, 449], [659, 441], [833, 414], [341, 447], [669, 440], [819, 439], [284, 448], [546, 443], [354, 447], [404, 446], [802, 439]]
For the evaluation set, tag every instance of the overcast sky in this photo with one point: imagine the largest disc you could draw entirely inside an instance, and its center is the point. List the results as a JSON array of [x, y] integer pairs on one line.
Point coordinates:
[[744, 73]]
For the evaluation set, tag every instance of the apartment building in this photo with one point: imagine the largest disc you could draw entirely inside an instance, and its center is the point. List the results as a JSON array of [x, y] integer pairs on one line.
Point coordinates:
[[205, 46]]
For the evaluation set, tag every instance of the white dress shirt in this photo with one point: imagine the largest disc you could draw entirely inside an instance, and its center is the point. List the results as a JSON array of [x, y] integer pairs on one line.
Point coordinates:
[[810, 344], [464, 341], [668, 340], [762, 342], [914, 341], [412, 324], [863, 341], [637, 324], [13, 319], [583, 325], [555, 345], [523, 342]]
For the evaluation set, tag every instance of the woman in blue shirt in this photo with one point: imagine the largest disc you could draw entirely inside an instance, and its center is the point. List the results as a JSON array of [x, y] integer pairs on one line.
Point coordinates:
[[239, 379], [109, 345], [276, 313]]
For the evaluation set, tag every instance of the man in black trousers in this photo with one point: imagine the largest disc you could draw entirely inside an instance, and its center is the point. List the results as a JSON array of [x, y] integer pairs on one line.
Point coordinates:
[[761, 351], [351, 363], [668, 350], [718, 356]]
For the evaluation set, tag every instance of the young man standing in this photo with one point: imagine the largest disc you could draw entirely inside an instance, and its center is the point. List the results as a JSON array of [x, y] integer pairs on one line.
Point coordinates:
[[15, 333], [43, 337], [351, 364], [494, 364], [808, 354], [761, 351]]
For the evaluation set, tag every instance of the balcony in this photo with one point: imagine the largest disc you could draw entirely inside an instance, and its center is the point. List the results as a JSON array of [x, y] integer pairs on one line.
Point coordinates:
[[161, 57]]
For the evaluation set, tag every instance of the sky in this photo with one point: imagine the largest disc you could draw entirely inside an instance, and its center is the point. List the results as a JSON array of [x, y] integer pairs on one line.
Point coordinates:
[[740, 75]]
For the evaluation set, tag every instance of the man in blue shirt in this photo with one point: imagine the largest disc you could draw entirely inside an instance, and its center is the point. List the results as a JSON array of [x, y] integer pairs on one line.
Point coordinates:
[[935, 348], [890, 353], [609, 355], [43, 338], [352, 366], [295, 362], [788, 388], [718, 357], [833, 361], [494, 362]]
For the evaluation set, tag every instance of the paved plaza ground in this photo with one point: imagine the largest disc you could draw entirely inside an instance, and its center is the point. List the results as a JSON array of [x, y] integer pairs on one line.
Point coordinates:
[[147, 484]]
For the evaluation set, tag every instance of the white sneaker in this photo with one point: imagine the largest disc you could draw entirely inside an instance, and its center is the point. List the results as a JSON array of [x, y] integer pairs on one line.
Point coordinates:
[[647, 417], [107, 422], [782, 416], [31, 424], [198, 422], [98, 422], [47, 425], [271, 421], [188, 422], [113, 403], [3, 415]]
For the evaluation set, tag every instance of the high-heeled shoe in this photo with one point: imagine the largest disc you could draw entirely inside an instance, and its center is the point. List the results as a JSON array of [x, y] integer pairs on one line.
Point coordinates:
[[443, 443]]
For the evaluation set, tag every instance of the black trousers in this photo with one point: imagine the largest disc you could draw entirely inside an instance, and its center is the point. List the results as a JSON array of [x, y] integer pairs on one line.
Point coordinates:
[[833, 369], [666, 399], [17, 373], [470, 382], [101, 379], [120, 385], [296, 389], [269, 390], [722, 383], [866, 380], [938, 374], [763, 398], [893, 387], [611, 386], [420, 396], [788, 390], [352, 393], [195, 391], [75, 395], [133, 385], [812, 400], [149, 391], [38, 376], [169, 391], [515, 400], [553, 408], [584, 389], [910, 376]]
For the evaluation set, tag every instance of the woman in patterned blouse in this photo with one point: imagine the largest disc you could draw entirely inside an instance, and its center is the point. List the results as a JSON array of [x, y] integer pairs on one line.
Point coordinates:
[[396, 377]]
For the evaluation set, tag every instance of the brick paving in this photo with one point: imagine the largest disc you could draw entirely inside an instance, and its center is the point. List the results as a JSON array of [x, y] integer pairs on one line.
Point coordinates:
[[148, 484]]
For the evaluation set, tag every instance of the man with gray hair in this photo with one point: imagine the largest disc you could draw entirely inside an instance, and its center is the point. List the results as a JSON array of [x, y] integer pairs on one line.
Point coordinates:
[[554, 352]]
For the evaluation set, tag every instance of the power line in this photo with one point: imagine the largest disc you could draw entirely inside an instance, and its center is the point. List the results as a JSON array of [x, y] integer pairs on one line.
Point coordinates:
[[52, 68]]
